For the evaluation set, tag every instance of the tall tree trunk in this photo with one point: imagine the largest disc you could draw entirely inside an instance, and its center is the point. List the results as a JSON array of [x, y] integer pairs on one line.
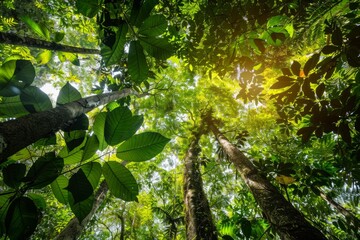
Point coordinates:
[[198, 219], [74, 228], [289, 223], [11, 38], [21, 132], [347, 214]]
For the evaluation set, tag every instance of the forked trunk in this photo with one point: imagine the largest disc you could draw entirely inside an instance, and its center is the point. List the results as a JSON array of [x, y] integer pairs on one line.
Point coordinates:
[[198, 219], [288, 222]]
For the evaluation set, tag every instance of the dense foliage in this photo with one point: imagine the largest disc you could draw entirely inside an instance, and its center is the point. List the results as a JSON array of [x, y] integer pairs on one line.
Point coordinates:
[[280, 78]]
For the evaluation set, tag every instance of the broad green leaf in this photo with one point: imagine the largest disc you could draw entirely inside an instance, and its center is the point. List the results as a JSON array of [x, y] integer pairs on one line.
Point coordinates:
[[92, 171], [120, 181], [7, 70], [159, 48], [59, 36], [83, 208], [35, 100], [44, 171], [153, 26], [68, 94], [73, 157], [10, 91], [142, 147], [13, 174], [246, 228], [58, 188], [311, 63], [44, 57], [24, 73], [38, 200], [12, 107], [74, 139], [90, 148], [138, 68], [98, 128], [79, 187], [21, 218], [39, 29], [121, 125], [276, 21], [5, 200], [145, 9], [88, 8], [113, 55]]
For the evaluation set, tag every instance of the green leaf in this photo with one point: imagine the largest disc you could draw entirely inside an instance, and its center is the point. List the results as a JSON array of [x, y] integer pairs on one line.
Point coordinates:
[[58, 188], [44, 57], [83, 208], [337, 37], [13, 174], [98, 128], [277, 21], [138, 68], [5, 200], [159, 48], [328, 49], [24, 73], [246, 228], [44, 171], [142, 147], [14, 76], [113, 55], [120, 181], [283, 81], [88, 8], [79, 187], [68, 94], [35, 100], [311, 63], [39, 29], [21, 218], [90, 148], [145, 9], [121, 125], [295, 68], [153, 26], [38, 200], [59, 36], [7, 70], [74, 139], [92, 171]]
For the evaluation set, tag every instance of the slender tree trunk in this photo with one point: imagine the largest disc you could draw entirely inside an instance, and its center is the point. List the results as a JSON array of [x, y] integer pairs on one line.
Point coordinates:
[[347, 214], [74, 228], [11, 38], [198, 219], [289, 223], [21, 132]]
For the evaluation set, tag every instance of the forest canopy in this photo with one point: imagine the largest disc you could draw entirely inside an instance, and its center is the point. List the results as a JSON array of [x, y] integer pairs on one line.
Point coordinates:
[[179, 119]]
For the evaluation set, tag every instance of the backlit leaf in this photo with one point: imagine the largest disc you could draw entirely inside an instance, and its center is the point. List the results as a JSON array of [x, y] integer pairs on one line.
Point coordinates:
[[121, 182], [138, 68], [67, 94], [142, 147]]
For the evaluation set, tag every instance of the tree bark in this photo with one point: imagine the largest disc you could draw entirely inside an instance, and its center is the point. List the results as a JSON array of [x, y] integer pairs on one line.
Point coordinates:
[[11, 38], [74, 228], [198, 219], [288, 222], [21, 132], [347, 214]]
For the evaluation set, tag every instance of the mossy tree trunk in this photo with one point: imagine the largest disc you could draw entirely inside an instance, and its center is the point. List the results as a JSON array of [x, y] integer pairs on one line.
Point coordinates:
[[23, 131], [288, 222], [198, 218]]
